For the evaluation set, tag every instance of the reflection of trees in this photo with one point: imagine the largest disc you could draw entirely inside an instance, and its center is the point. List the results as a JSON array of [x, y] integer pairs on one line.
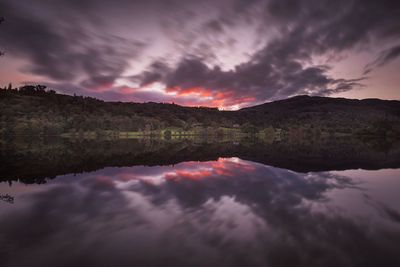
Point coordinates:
[[34, 160]]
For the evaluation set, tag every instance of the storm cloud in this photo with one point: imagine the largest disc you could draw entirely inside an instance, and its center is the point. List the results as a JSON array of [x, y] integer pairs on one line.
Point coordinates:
[[219, 53], [309, 28]]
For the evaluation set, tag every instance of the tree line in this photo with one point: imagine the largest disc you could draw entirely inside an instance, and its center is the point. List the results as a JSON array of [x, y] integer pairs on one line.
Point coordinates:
[[37, 110]]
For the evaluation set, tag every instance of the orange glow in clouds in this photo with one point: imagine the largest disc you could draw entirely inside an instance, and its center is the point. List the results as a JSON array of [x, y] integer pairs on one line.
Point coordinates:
[[197, 91], [191, 96], [226, 99]]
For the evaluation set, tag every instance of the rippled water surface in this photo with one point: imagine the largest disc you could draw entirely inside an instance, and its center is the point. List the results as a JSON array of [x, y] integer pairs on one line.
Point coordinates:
[[224, 211]]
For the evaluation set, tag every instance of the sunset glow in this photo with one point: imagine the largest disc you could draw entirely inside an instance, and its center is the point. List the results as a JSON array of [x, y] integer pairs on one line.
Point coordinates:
[[227, 54]]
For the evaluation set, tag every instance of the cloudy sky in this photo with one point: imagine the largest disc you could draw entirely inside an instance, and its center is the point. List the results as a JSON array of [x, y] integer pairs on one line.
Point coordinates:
[[227, 54]]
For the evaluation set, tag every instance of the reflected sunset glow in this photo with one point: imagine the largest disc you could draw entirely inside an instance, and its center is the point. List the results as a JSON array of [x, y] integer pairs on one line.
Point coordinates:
[[220, 169]]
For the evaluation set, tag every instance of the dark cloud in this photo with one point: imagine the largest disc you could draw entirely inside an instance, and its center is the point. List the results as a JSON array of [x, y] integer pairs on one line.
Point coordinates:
[[308, 28], [156, 72], [67, 48], [385, 57], [92, 43], [271, 79], [214, 26]]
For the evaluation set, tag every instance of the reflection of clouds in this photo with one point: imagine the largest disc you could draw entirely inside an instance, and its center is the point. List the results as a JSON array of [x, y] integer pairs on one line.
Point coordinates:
[[235, 213], [223, 167], [127, 225]]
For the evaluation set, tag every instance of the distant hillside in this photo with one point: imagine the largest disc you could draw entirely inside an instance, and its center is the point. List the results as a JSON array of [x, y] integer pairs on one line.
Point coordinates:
[[31, 110], [332, 114]]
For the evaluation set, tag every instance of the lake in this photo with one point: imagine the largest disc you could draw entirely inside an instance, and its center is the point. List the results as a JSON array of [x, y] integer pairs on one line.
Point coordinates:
[[199, 203]]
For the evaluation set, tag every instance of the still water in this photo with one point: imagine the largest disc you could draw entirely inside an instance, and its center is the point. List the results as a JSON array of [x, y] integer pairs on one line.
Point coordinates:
[[218, 211]]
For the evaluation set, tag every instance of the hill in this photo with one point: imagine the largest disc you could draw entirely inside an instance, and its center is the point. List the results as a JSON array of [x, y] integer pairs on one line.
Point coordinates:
[[31, 110], [367, 116]]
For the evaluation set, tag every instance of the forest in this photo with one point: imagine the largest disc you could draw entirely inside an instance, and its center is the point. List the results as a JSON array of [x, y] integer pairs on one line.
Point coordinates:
[[34, 110]]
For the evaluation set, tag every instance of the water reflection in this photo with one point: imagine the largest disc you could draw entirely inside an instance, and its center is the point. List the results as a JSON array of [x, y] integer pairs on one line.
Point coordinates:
[[35, 161], [224, 212]]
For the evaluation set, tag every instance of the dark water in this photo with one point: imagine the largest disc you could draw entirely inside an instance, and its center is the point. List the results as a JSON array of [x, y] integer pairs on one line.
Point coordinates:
[[157, 203]]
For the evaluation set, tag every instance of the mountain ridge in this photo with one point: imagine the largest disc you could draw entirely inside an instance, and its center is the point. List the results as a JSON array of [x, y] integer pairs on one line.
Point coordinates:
[[33, 110]]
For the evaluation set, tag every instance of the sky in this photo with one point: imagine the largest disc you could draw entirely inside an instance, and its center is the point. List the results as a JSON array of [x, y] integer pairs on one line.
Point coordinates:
[[227, 54]]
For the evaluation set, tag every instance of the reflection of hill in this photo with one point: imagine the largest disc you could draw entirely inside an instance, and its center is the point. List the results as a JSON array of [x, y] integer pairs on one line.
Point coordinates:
[[33, 161], [325, 155]]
